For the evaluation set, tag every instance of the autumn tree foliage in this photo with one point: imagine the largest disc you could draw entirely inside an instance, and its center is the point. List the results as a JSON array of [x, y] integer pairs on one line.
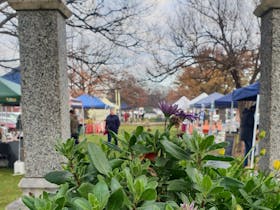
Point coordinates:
[[106, 84], [131, 91], [205, 76], [80, 82]]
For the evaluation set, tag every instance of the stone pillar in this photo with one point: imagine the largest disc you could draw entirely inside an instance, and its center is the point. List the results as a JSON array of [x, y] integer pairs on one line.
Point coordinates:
[[45, 98], [269, 11]]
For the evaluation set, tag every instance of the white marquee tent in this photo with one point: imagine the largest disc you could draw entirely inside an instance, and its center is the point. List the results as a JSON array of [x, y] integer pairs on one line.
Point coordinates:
[[198, 98], [183, 103]]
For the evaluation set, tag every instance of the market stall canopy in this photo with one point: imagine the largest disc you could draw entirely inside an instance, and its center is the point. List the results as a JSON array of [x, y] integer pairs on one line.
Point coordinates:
[[248, 93], [198, 98], [124, 106], [225, 102], [206, 102], [183, 103], [10, 92], [13, 75], [91, 102]]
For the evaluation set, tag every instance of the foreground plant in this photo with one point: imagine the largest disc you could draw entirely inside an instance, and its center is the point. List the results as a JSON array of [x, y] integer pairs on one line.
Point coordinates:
[[188, 172]]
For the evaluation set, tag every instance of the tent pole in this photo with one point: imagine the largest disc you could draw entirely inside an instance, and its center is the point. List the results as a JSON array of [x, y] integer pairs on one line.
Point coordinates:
[[83, 121], [231, 117], [255, 131], [211, 118]]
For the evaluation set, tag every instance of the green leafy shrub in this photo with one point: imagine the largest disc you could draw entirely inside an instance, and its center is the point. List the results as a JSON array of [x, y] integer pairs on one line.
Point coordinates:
[[156, 171]]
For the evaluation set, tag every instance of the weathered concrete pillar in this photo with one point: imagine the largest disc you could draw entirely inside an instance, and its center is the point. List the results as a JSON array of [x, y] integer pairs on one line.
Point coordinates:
[[269, 11], [45, 98]]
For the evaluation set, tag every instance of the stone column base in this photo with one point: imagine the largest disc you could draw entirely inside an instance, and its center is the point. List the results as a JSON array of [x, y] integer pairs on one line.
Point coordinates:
[[32, 186], [16, 205]]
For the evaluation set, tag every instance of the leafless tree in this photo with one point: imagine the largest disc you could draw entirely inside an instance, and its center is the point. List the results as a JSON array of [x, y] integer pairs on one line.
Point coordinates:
[[7, 19], [8, 31], [228, 28], [99, 33]]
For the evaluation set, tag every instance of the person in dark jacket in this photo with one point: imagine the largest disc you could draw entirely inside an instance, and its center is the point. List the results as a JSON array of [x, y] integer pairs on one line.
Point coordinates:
[[112, 124], [247, 129], [74, 125]]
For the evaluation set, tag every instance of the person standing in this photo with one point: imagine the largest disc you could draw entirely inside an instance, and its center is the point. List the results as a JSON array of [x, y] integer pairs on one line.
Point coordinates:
[[247, 129], [74, 126], [112, 124]]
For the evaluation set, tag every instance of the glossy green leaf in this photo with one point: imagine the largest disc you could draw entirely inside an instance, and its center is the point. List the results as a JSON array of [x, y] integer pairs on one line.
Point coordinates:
[[178, 185], [152, 185], [149, 194], [250, 185], [102, 193], [42, 204], [132, 140], [112, 146], [94, 202], [206, 183], [115, 185], [139, 187], [139, 148], [82, 204], [60, 202], [139, 130], [126, 136], [63, 190], [229, 182], [246, 196], [233, 202], [29, 202], [216, 190], [116, 163], [58, 177], [85, 189], [206, 143], [168, 207], [161, 162], [98, 159], [174, 150], [129, 180], [149, 207], [219, 158], [116, 200], [194, 174], [220, 145]]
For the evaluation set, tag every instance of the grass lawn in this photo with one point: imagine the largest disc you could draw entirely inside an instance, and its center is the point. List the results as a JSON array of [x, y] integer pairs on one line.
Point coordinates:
[[124, 127], [9, 190]]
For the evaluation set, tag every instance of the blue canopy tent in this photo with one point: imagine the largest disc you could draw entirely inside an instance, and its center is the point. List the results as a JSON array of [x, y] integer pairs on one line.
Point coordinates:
[[91, 102], [226, 102], [124, 106], [207, 101], [250, 93], [13, 75]]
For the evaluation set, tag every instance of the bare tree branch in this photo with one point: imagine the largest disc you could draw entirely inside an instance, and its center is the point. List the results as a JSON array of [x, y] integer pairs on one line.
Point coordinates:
[[100, 32], [229, 30]]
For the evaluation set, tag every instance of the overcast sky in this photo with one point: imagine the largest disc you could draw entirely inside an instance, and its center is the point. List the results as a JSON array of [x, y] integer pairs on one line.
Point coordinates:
[[163, 8]]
